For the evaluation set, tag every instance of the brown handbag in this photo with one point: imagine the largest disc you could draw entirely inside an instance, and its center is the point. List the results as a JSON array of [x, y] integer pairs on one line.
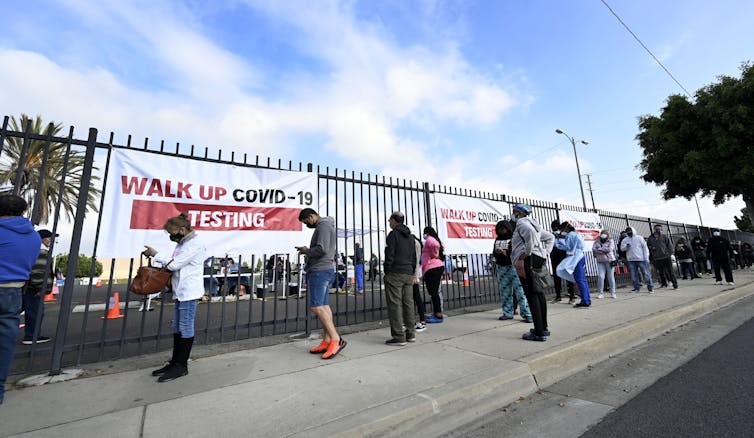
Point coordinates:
[[150, 279]]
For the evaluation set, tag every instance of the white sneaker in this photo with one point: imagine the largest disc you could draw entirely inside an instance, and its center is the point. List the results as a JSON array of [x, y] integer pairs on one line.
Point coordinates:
[[600, 296], [718, 282], [419, 326], [731, 283], [613, 295]]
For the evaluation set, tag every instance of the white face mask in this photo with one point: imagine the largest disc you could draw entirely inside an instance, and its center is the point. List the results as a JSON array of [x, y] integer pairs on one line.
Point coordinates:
[[424, 236], [604, 236], [716, 234]]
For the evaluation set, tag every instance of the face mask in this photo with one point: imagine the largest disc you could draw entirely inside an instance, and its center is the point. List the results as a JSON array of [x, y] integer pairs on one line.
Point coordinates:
[[424, 236], [308, 225], [514, 218], [603, 236], [716, 234], [629, 233], [176, 237], [556, 232], [659, 232]]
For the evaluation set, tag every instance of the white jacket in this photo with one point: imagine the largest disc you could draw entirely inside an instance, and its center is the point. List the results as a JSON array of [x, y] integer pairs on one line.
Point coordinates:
[[636, 248], [188, 268]]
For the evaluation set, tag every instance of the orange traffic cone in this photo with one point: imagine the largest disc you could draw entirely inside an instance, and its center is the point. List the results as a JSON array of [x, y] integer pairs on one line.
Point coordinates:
[[465, 278], [114, 309], [98, 283], [50, 297]]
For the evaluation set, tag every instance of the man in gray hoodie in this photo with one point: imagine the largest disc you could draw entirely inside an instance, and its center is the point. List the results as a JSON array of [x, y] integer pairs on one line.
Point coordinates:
[[660, 250], [637, 254], [320, 273], [530, 246], [400, 273]]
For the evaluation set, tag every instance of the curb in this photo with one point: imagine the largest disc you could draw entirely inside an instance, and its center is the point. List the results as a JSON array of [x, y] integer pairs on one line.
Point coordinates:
[[483, 392]]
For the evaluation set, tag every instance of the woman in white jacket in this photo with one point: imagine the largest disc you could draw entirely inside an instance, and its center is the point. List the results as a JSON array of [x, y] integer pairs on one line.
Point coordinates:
[[604, 253], [187, 264]]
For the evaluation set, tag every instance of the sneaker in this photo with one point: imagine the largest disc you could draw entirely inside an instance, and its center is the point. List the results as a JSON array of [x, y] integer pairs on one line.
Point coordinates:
[[651, 292], [395, 342], [419, 326], [613, 295], [580, 305], [730, 283], [515, 311], [432, 319], [572, 301], [600, 296], [675, 286], [505, 317], [411, 339], [635, 290], [334, 348], [527, 319], [321, 348], [718, 282], [546, 332], [40, 340], [174, 372], [556, 300], [533, 337]]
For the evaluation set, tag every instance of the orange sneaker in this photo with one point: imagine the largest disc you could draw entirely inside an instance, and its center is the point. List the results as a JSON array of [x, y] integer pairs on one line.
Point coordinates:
[[334, 348], [321, 348]]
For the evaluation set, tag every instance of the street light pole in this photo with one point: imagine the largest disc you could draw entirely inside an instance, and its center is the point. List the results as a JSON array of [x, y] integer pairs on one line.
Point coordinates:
[[578, 170]]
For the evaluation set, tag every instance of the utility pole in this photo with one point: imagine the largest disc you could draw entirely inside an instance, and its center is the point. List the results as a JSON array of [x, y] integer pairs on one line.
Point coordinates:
[[591, 192]]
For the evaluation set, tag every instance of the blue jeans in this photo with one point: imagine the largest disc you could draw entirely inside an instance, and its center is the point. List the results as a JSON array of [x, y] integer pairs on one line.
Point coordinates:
[[508, 284], [359, 276], [10, 311], [183, 318], [579, 274], [319, 287], [33, 309], [634, 267]]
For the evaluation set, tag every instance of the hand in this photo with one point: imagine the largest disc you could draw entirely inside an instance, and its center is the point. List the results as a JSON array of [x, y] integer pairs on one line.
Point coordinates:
[[416, 279], [520, 268], [302, 249], [149, 251]]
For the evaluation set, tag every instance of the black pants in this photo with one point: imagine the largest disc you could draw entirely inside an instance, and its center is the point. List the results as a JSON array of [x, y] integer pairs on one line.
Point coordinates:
[[536, 299], [419, 300], [559, 287], [665, 271], [432, 280], [701, 265], [725, 264]]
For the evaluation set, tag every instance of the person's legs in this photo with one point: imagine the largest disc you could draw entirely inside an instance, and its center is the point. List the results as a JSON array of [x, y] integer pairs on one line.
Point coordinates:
[[518, 292], [610, 279], [503, 285], [31, 307], [633, 269], [359, 277], [660, 268], [558, 282], [537, 306], [644, 266], [393, 291], [419, 301], [432, 280], [727, 271], [602, 269], [186, 315], [10, 309], [407, 307], [579, 274], [669, 272], [716, 267]]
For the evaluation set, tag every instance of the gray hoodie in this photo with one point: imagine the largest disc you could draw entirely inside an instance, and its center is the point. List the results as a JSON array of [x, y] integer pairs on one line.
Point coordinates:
[[529, 238], [321, 251]]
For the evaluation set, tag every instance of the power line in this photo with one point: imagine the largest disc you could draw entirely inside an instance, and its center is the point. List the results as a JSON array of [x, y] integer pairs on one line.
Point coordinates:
[[646, 48]]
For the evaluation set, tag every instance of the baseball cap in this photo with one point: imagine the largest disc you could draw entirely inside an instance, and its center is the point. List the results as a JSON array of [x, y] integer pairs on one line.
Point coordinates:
[[46, 233]]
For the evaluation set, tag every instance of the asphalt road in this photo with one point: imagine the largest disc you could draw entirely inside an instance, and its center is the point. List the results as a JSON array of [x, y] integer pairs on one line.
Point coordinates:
[[693, 381]]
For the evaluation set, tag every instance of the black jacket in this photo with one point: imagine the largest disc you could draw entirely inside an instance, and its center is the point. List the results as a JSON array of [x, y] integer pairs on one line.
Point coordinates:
[[718, 248], [400, 252]]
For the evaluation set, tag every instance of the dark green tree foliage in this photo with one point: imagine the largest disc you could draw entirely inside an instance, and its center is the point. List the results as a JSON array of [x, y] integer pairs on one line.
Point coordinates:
[[83, 267], [705, 146], [743, 223]]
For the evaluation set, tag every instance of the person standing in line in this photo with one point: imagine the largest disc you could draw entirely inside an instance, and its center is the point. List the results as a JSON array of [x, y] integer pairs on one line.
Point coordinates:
[[40, 283], [718, 252], [19, 248], [530, 246], [421, 324], [748, 253], [700, 255], [604, 253], [660, 250], [358, 266], [433, 267], [187, 265], [556, 256], [685, 257], [320, 274], [400, 265], [573, 267], [508, 282], [637, 254], [373, 264]]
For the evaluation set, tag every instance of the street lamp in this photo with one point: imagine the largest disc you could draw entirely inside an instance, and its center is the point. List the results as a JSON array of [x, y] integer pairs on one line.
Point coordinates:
[[578, 170]]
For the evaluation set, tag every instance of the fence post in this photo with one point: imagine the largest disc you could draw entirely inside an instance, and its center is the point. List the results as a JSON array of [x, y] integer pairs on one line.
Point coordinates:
[[70, 275], [428, 210]]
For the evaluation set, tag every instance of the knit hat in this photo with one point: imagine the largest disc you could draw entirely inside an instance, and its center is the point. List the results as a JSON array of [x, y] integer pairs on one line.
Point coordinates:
[[524, 209]]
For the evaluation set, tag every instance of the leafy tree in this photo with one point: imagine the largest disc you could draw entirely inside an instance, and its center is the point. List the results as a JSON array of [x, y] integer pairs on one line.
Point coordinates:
[[52, 185], [706, 145], [743, 223], [83, 267]]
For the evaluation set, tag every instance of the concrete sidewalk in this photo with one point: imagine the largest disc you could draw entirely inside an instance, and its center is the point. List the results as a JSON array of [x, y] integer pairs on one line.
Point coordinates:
[[471, 362]]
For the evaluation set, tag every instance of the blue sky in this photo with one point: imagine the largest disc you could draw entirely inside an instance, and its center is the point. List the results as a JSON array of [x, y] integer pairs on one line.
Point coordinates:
[[461, 93]]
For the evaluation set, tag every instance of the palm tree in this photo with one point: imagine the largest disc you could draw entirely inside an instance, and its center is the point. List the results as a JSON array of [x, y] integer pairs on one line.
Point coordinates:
[[52, 186]]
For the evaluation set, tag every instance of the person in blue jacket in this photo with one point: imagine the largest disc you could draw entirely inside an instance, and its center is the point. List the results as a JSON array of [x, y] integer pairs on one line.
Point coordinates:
[[572, 268]]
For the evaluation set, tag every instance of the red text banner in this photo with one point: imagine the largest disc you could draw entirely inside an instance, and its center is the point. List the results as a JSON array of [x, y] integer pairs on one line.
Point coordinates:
[[465, 230]]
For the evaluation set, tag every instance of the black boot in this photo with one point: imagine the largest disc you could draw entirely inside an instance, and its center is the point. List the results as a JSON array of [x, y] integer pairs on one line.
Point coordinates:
[[163, 370], [180, 368]]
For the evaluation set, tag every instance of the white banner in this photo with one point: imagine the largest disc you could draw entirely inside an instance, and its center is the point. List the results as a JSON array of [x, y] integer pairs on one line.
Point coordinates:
[[467, 225], [236, 210], [588, 225]]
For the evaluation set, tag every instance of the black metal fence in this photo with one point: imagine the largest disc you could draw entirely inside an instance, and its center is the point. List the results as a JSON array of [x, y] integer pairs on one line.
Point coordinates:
[[254, 300]]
